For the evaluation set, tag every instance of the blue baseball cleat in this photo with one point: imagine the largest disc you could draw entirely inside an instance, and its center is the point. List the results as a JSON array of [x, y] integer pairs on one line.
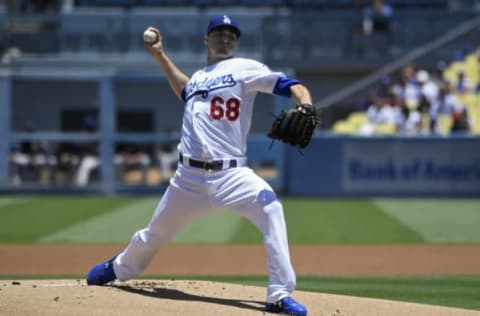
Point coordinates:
[[102, 273], [287, 305]]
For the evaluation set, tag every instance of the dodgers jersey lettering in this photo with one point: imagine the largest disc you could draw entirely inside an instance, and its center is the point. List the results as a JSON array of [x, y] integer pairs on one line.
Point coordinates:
[[219, 105]]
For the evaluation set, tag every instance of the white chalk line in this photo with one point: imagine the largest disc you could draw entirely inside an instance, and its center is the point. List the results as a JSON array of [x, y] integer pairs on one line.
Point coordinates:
[[59, 285]]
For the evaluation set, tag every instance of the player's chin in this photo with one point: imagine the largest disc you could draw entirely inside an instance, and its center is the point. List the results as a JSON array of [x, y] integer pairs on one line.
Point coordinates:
[[224, 55], [224, 51]]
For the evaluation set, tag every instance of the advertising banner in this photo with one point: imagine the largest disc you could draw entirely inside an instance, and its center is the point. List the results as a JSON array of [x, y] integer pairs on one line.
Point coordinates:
[[430, 166]]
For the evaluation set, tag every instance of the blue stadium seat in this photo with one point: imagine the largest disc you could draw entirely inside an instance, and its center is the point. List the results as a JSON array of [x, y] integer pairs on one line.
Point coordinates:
[[281, 42], [331, 35], [164, 2], [307, 4], [411, 29], [109, 3], [88, 29], [265, 3], [439, 4], [450, 21], [216, 3]]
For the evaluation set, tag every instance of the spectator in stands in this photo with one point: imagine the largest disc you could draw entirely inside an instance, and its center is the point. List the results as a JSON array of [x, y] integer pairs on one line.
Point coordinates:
[[8, 49], [30, 161], [410, 122], [374, 38], [376, 17], [461, 121], [447, 104], [168, 154], [387, 92], [437, 72], [463, 84], [67, 161], [380, 112], [133, 162], [408, 90], [39, 6], [428, 90], [88, 152]]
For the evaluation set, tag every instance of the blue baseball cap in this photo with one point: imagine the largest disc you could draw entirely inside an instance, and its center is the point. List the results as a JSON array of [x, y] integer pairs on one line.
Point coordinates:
[[223, 20]]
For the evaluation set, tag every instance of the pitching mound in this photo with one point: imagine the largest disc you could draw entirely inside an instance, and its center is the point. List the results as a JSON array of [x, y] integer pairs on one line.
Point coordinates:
[[67, 297]]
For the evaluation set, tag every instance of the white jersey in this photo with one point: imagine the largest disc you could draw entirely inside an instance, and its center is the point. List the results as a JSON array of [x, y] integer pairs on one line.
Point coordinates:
[[219, 106], [218, 112]]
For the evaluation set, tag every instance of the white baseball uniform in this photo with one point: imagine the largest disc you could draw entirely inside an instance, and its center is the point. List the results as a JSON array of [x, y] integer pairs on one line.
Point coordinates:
[[212, 171]]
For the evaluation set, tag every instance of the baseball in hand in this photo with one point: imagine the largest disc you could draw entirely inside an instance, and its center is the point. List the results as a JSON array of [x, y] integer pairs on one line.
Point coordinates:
[[150, 37]]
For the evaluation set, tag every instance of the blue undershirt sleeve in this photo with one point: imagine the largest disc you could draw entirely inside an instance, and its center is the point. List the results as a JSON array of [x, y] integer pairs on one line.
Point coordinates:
[[183, 95], [282, 87]]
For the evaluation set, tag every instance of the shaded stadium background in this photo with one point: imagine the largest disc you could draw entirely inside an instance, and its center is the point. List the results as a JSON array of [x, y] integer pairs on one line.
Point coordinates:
[[86, 110]]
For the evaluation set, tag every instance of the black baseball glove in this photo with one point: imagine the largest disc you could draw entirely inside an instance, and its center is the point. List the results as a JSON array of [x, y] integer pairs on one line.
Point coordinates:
[[295, 126]]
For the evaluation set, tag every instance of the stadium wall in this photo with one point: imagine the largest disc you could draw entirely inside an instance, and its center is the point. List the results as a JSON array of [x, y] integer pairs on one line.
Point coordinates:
[[385, 166]]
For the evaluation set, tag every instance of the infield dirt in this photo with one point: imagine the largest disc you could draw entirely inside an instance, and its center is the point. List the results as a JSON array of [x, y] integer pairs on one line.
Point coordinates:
[[175, 298], [250, 259], [170, 297]]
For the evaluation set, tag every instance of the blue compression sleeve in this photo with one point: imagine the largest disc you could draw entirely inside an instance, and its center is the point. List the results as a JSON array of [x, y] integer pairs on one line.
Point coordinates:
[[282, 87]]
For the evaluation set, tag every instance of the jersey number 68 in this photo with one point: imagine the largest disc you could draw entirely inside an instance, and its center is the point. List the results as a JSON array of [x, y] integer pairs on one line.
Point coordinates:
[[231, 111]]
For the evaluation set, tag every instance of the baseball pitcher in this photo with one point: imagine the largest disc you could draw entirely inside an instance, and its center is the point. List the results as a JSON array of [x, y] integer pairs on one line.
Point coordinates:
[[212, 171]]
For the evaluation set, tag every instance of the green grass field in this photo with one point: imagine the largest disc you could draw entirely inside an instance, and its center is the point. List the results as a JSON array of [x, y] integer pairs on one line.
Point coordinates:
[[309, 221], [33, 220]]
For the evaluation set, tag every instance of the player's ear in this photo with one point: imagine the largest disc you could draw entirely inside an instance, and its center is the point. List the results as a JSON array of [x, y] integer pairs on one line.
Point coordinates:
[[205, 39]]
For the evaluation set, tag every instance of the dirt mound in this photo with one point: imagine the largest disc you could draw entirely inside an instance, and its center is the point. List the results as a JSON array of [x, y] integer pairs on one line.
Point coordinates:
[[164, 297]]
